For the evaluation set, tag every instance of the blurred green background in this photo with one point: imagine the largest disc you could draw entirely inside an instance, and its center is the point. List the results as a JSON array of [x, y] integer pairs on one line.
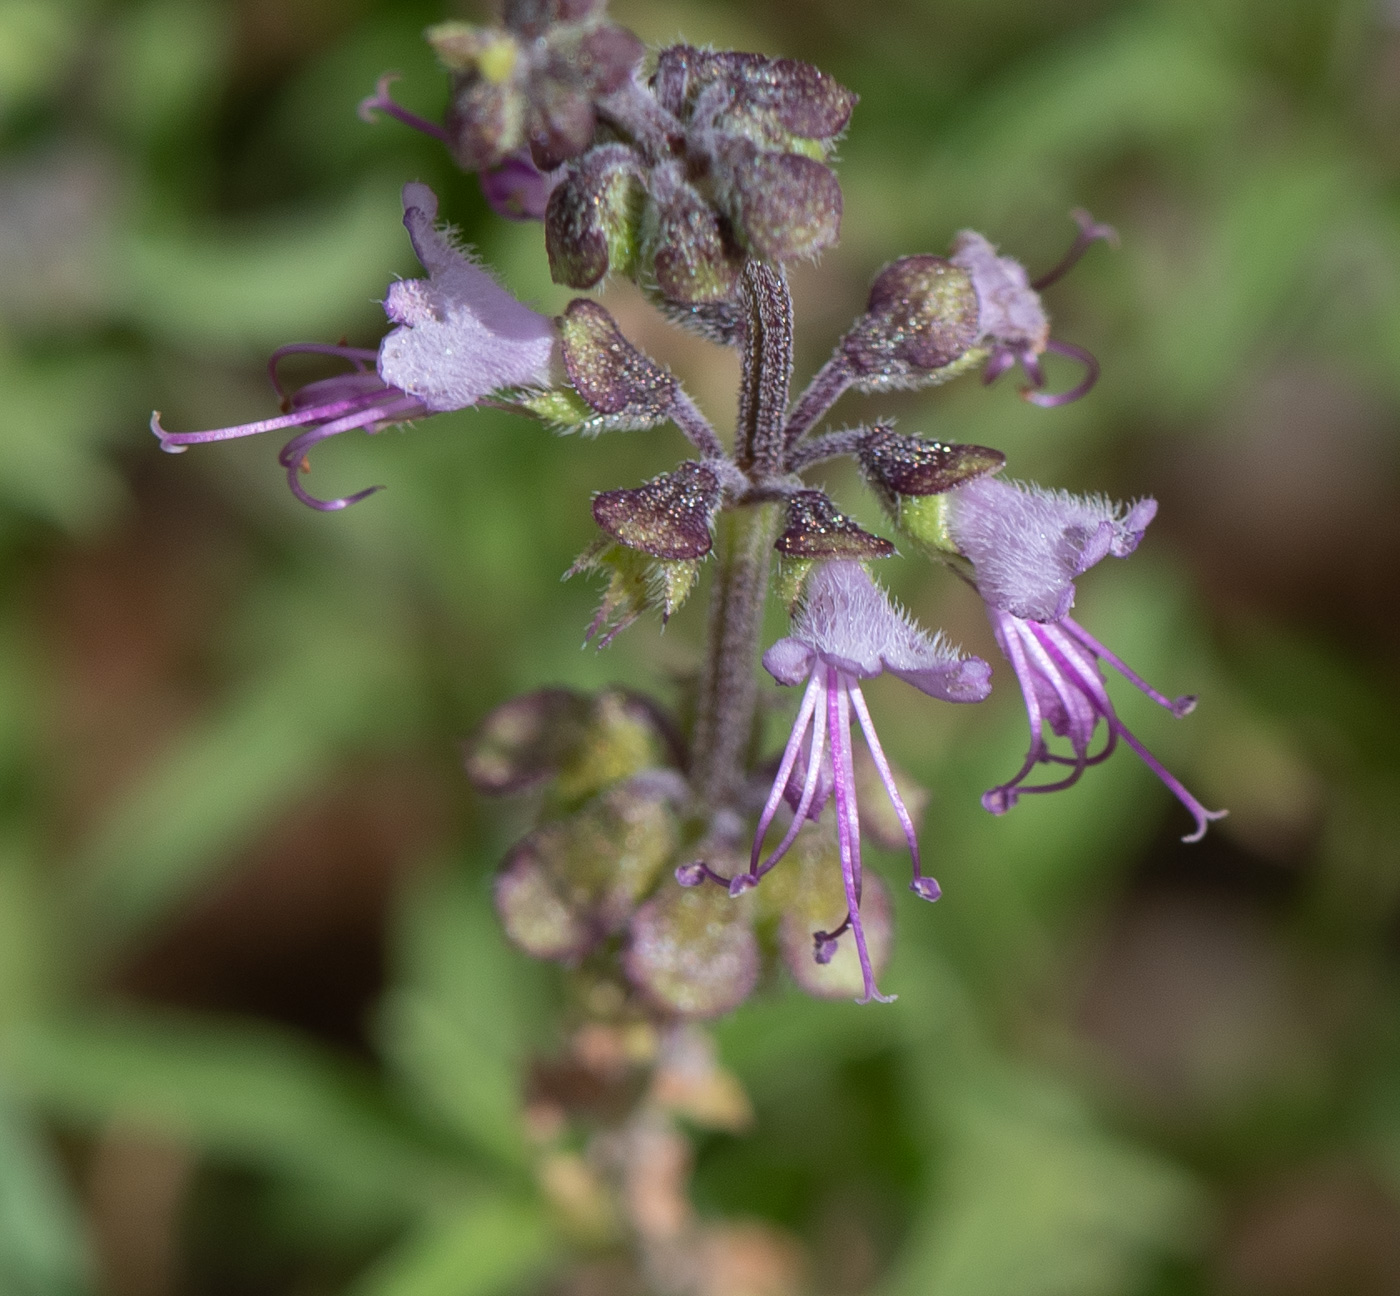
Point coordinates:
[[257, 1033]]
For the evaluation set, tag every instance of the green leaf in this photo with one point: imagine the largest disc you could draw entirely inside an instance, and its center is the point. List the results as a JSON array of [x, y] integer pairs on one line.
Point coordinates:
[[42, 1250], [249, 1095], [492, 1246], [57, 415], [1036, 1200], [217, 787], [458, 1024]]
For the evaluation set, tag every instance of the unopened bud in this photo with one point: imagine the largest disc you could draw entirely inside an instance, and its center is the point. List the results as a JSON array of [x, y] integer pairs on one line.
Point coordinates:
[[523, 741], [693, 951], [572, 882], [770, 100], [920, 326], [783, 205], [670, 517], [593, 221], [692, 256], [623, 387]]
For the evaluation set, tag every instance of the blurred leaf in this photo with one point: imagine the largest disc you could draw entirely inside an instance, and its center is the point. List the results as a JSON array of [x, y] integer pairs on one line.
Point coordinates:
[[42, 1251], [492, 1246], [250, 1095], [1035, 1200], [36, 39], [302, 277], [213, 791], [29, 936], [56, 416], [459, 1020], [163, 64], [1144, 78]]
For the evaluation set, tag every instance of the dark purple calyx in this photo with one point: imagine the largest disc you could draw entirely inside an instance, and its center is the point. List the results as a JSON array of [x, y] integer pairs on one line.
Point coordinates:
[[896, 465], [922, 316], [815, 528], [615, 380], [670, 517]]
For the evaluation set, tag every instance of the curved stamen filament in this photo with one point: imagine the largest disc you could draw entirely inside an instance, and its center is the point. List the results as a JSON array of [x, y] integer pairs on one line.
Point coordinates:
[[1090, 232], [813, 706], [906, 820], [848, 822], [1049, 400]]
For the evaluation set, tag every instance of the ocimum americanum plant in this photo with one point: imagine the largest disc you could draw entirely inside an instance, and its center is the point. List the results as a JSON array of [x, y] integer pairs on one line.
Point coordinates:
[[674, 863]]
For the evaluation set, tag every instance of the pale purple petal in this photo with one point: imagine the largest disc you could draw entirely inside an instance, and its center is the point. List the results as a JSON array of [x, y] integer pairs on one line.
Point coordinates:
[[851, 623], [461, 335], [789, 661], [1028, 544], [1009, 308]]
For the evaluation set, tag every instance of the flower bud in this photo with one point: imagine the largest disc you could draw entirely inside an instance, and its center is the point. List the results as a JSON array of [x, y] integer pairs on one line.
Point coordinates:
[[771, 101], [920, 326], [592, 225], [637, 583], [693, 257], [670, 517], [523, 741], [623, 387], [783, 205], [571, 883], [693, 952]]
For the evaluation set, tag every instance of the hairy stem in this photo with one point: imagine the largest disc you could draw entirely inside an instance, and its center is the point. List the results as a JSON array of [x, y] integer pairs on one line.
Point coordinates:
[[767, 355], [729, 688]]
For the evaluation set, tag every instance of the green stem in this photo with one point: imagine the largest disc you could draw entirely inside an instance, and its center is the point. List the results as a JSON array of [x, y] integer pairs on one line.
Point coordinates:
[[724, 719]]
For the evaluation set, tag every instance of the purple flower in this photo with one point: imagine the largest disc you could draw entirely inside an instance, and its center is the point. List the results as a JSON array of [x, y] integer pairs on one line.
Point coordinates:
[[1026, 545], [460, 337], [845, 630], [1011, 320]]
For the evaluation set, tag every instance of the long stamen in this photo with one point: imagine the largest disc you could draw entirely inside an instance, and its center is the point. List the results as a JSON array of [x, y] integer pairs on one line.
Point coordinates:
[[1179, 706], [809, 786], [358, 356], [1201, 815], [382, 101], [1090, 232], [848, 823], [293, 454], [1049, 400], [1000, 799], [1174, 785], [925, 887], [175, 442], [810, 698]]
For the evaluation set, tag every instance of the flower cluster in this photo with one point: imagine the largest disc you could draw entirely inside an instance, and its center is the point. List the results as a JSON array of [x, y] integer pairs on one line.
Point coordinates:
[[700, 174]]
